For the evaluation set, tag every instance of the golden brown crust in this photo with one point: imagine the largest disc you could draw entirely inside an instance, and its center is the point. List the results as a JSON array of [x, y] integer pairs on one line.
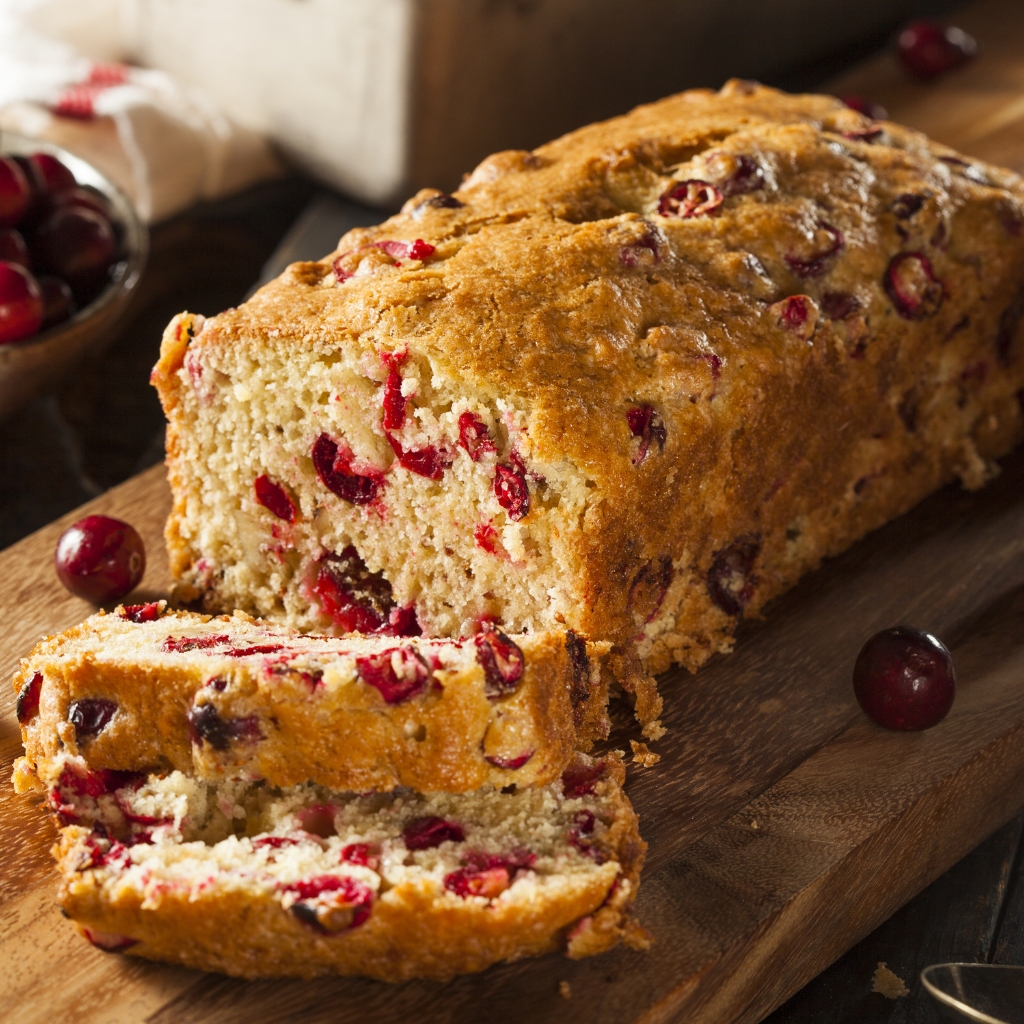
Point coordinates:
[[308, 715], [558, 288]]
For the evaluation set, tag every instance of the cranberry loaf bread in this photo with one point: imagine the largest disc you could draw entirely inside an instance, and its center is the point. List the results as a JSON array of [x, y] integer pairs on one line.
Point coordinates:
[[634, 383], [145, 689], [261, 882]]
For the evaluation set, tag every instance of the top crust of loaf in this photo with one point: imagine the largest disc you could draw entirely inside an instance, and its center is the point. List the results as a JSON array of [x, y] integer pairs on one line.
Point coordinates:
[[546, 221]]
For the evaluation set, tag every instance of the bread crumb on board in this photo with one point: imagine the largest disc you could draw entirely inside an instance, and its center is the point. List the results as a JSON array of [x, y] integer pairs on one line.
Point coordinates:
[[643, 755], [565, 990], [887, 984]]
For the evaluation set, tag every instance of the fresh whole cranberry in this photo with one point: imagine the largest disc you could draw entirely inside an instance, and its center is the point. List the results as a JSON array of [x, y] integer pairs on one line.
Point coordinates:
[[77, 245], [85, 199], [912, 285], [929, 49], [90, 716], [100, 559], [21, 303], [13, 248], [15, 192], [54, 176], [904, 679], [502, 661], [274, 498], [866, 107], [426, 833], [692, 198], [333, 464], [34, 177], [398, 674], [58, 302], [27, 706]]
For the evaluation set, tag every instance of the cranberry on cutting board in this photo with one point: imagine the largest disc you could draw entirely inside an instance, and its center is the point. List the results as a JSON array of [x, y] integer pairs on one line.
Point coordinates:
[[904, 679], [100, 559]]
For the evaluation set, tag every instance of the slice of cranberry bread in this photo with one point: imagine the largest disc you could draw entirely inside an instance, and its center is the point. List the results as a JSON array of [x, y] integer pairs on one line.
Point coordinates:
[[261, 882], [231, 697], [634, 383]]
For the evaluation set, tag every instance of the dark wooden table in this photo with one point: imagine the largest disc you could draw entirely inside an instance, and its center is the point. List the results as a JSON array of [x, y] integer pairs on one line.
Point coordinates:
[[104, 425]]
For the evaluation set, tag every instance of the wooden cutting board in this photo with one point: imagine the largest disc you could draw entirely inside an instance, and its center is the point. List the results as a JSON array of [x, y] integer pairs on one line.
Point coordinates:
[[783, 826]]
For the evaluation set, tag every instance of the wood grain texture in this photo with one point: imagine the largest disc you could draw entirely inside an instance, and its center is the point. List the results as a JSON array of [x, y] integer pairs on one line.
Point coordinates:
[[957, 918]]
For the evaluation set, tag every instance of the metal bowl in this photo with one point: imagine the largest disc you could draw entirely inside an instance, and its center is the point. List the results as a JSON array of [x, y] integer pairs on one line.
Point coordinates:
[[30, 366], [983, 993]]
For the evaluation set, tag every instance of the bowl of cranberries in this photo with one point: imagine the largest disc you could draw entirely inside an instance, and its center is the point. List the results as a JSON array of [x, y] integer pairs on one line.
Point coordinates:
[[71, 253]]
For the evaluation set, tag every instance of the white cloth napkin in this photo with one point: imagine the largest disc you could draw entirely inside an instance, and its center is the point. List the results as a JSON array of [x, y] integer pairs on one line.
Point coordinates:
[[164, 144]]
